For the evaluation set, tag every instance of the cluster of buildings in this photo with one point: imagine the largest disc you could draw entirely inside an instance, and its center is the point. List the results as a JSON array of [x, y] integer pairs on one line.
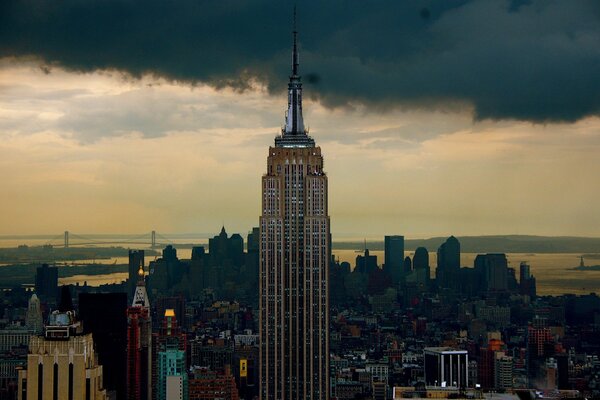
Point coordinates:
[[468, 332]]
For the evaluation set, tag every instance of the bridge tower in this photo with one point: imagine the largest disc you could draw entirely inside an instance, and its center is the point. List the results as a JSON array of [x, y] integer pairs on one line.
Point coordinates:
[[66, 239], [153, 239]]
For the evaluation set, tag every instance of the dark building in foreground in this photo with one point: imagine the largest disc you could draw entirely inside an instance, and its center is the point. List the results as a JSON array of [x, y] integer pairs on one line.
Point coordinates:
[[104, 315], [294, 262]]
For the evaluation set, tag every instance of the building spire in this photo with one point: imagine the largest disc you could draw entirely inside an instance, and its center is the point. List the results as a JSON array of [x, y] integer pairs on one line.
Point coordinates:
[[295, 62], [294, 123]]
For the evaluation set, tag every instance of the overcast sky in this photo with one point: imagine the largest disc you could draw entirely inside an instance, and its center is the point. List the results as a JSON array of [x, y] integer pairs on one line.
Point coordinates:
[[435, 118]]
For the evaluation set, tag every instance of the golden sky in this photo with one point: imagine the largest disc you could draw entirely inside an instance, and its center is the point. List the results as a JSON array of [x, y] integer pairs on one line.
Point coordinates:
[[101, 153]]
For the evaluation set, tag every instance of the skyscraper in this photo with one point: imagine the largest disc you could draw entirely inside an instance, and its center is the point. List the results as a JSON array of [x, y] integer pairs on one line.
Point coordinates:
[[139, 344], [104, 315], [394, 257], [294, 261], [448, 264], [62, 363]]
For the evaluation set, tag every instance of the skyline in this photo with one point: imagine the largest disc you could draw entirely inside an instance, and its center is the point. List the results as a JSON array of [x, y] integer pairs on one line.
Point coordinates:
[[113, 151]]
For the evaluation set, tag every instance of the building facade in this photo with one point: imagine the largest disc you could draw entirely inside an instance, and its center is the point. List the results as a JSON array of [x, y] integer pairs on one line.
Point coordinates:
[[62, 363], [294, 262]]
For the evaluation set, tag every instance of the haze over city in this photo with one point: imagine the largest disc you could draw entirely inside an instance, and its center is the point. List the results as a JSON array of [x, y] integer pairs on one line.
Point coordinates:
[[432, 119]]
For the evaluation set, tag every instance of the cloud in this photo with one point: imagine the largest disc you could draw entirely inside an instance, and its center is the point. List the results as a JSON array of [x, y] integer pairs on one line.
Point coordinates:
[[535, 61]]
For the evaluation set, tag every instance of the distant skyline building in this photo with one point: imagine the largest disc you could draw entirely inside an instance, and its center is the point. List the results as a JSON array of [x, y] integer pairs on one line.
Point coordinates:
[[394, 256], [33, 318], [294, 261], [448, 264], [46, 283], [493, 271], [527, 283]]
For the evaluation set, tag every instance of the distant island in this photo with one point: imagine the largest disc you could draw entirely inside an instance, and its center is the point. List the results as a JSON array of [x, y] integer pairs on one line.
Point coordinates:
[[583, 267]]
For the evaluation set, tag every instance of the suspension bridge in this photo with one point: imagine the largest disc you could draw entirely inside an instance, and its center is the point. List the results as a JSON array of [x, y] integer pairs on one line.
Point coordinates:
[[69, 239]]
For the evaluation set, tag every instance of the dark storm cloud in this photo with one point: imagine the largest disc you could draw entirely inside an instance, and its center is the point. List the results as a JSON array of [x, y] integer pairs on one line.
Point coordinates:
[[529, 60]]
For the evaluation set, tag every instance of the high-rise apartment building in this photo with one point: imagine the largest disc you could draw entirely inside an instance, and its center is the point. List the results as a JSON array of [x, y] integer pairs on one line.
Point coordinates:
[[294, 261], [139, 344]]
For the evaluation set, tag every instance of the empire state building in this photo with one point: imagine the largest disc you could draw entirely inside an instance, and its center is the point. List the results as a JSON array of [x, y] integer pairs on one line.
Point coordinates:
[[294, 262]]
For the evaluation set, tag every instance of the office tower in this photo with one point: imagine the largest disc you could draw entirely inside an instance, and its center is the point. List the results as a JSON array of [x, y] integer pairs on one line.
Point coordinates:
[[104, 315], [394, 257], [33, 318], [62, 364], [446, 367], [407, 266], [226, 251], [493, 272], [139, 344], [366, 263], [421, 265], [198, 275], [46, 283], [136, 261], [448, 264], [527, 285], [294, 262], [169, 377]]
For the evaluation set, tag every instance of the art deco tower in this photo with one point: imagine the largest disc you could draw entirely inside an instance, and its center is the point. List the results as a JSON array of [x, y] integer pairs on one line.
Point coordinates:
[[294, 262]]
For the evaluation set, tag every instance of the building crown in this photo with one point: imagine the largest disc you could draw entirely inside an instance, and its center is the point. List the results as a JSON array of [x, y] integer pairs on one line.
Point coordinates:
[[293, 134]]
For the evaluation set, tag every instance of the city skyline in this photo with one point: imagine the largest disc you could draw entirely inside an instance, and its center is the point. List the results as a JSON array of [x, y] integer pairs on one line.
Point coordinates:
[[93, 143]]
